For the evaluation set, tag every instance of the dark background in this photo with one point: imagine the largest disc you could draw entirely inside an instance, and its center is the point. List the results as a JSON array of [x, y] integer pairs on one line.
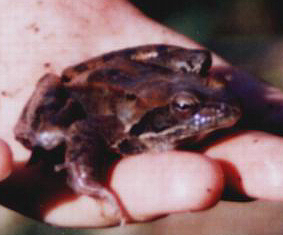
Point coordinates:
[[246, 33]]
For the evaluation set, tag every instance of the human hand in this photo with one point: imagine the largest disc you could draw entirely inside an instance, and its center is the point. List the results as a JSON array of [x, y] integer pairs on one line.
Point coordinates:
[[59, 33]]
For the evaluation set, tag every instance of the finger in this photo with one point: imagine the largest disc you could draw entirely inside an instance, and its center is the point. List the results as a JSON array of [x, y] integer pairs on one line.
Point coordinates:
[[5, 160], [253, 164], [149, 186], [153, 185]]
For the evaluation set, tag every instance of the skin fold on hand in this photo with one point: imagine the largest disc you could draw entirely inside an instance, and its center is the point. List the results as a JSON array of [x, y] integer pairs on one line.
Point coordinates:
[[58, 33]]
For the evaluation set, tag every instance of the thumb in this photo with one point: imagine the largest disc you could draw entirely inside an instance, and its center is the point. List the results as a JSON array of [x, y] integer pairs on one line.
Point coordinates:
[[5, 160]]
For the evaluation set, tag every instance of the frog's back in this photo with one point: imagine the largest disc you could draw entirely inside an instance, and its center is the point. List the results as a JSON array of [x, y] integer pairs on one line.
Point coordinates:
[[149, 74], [149, 57]]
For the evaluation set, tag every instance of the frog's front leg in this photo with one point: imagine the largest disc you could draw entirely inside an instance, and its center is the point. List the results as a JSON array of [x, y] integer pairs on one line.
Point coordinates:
[[87, 162]]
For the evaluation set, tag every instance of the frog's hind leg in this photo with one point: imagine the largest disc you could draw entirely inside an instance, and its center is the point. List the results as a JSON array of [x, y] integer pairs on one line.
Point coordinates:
[[86, 164]]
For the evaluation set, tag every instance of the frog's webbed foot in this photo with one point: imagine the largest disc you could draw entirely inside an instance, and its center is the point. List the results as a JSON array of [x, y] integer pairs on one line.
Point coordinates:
[[87, 164]]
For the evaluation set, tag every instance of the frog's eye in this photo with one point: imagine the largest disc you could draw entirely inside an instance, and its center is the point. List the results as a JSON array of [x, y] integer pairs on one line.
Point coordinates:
[[184, 104]]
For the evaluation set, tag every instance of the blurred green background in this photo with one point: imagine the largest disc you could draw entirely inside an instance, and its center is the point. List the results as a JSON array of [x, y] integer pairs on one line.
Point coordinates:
[[249, 35], [246, 33]]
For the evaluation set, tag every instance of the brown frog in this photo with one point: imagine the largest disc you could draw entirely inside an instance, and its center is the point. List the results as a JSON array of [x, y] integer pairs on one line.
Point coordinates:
[[147, 98]]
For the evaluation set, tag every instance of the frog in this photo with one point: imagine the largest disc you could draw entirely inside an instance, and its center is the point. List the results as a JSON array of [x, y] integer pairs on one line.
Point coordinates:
[[153, 97]]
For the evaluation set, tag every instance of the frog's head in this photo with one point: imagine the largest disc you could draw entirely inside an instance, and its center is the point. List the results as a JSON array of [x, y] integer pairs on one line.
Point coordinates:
[[47, 114], [179, 109]]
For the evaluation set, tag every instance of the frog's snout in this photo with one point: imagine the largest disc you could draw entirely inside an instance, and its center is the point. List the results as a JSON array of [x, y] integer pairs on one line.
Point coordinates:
[[214, 116]]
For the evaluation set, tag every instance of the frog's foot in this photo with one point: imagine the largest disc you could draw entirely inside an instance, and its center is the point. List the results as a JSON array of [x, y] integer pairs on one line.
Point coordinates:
[[85, 186], [109, 197], [81, 183]]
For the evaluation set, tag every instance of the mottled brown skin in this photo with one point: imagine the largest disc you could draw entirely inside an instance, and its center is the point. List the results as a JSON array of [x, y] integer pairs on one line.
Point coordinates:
[[130, 101]]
